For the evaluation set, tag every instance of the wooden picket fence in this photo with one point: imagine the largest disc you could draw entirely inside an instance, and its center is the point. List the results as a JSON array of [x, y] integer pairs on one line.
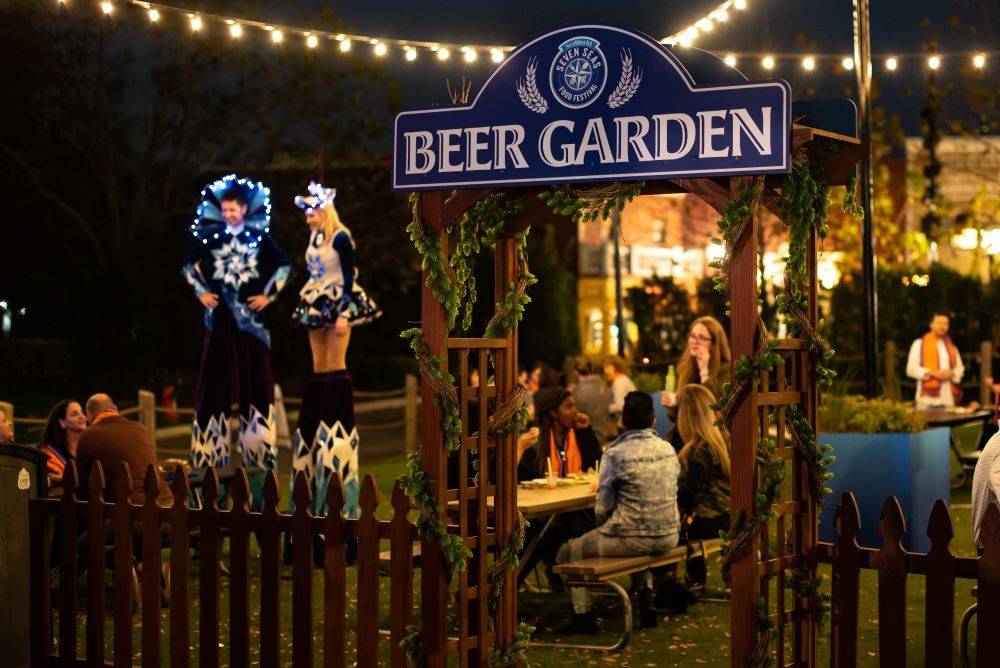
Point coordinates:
[[82, 526], [940, 569]]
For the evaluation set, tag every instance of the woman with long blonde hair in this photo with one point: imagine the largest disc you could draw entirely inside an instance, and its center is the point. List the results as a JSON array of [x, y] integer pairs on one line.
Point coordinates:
[[704, 489], [330, 304]]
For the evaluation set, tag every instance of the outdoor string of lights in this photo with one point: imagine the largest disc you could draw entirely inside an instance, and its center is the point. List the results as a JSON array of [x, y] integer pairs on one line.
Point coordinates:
[[197, 22]]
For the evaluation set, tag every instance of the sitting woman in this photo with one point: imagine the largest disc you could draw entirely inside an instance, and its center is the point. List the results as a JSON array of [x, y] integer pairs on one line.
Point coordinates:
[[564, 442], [705, 361], [59, 439], [703, 490]]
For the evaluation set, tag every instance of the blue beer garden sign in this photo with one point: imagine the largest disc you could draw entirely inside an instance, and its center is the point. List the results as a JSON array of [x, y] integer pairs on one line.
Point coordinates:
[[592, 103]]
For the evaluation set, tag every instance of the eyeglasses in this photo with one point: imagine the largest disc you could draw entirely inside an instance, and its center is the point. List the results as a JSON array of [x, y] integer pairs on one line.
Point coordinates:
[[699, 338]]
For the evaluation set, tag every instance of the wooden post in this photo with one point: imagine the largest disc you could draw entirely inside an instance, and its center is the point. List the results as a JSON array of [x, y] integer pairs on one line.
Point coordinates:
[[147, 412], [985, 372], [434, 573], [891, 373], [410, 413], [745, 583]]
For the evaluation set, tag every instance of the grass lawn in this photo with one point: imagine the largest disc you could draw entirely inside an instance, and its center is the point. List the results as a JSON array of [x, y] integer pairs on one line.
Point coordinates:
[[700, 637]]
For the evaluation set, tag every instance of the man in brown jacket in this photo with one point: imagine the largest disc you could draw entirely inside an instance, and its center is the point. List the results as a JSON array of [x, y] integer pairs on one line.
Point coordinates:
[[111, 440]]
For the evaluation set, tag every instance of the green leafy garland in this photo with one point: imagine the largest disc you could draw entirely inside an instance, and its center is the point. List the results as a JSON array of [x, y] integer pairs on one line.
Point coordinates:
[[804, 201], [452, 281], [586, 204]]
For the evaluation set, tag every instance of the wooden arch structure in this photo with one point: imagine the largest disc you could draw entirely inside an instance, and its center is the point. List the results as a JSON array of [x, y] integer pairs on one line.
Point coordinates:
[[789, 543]]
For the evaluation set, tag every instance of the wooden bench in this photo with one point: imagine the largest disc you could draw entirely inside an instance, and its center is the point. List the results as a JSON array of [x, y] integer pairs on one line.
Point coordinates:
[[601, 571]]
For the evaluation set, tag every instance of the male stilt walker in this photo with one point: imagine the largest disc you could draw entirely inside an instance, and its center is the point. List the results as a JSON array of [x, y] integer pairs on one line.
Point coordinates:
[[236, 270]]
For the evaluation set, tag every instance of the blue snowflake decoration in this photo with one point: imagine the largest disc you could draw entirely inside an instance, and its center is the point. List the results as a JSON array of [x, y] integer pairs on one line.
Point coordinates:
[[258, 196], [315, 266]]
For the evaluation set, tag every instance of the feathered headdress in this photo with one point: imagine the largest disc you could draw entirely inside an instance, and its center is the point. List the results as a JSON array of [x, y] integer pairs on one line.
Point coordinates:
[[258, 199], [318, 197]]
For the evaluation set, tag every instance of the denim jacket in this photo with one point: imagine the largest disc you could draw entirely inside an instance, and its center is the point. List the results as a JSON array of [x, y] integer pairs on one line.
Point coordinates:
[[637, 493]]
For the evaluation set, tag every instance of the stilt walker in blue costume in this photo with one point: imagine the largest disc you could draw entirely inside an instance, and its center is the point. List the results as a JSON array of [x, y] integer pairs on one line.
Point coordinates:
[[236, 270], [331, 303]]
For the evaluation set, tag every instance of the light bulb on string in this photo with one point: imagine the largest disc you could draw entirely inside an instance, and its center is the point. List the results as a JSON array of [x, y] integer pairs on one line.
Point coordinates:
[[469, 54], [847, 63], [891, 64], [380, 49], [809, 63], [235, 31], [107, 8], [934, 62], [411, 54], [721, 16], [196, 23], [740, 4], [979, 61], [345, 45], [443, 54], [768, 62], [154, 15], [496, 55], [704, 25], [277, 36], [731, 59], [312, 41]]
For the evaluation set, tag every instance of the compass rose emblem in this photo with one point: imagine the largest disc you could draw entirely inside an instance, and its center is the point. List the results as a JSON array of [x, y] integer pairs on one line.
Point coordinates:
[[578, 72]]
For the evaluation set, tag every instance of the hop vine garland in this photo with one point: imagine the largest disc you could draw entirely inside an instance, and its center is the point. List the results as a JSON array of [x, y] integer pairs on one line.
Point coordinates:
[[805, 198], [452, 281], [585, 204]]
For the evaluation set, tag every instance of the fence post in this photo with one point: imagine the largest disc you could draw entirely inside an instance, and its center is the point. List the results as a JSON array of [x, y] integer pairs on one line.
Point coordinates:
[[147, 412], [410, 413], [283, 438], [985, 371], [891, 374]]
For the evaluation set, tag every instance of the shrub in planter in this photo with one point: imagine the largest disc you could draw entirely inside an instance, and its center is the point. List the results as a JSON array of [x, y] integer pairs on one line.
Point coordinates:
[[883, 448]]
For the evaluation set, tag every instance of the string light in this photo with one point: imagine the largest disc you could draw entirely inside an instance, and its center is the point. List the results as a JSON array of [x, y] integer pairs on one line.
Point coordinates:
[[890, 64], [847, 63], [740, 4], [469, 54], [107, 7], [979, 61], [411, 54], [768, 62], [731, 60], [277, 36], [235, 31], [154, 15], [312, 41], [380, 49], [443, 53], [496, 55], [345, 45], [809, 63], [934, 62]]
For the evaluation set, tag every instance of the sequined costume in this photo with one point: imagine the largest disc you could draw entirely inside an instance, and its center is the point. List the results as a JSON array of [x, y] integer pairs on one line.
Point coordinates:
[[235, 264], [325, 440]]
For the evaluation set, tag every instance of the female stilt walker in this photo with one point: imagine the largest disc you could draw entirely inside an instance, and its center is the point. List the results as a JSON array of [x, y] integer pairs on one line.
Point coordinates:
[[331, 303]]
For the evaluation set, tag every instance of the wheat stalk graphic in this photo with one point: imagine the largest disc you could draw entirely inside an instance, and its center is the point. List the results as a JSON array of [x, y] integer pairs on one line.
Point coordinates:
[[527, 90], [628, 84]]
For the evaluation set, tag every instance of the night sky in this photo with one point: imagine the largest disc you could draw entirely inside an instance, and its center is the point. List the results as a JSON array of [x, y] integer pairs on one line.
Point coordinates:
[[779, 26]]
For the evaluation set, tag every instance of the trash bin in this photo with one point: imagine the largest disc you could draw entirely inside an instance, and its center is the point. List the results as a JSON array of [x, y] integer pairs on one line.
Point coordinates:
[[22, 477]]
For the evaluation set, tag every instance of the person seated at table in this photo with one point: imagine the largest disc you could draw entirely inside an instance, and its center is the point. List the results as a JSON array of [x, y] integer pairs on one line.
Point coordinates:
[[60, 437], [564, 442], [703, 490], [705, 361], [985, 486], [6, 429], [990, 427], [111, 440], [636, 509]]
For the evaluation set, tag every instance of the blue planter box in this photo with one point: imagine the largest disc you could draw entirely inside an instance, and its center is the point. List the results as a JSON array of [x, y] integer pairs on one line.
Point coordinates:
[[915, 468]]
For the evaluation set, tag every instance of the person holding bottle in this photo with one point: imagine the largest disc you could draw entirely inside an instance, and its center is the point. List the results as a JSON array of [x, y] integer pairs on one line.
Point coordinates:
[[705, 361]]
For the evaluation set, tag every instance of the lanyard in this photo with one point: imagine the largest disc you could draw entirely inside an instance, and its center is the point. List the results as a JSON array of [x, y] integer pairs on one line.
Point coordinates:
[[561, 449]]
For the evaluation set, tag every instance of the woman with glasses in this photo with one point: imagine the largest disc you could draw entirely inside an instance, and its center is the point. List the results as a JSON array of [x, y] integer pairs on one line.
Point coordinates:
[[705, 361]]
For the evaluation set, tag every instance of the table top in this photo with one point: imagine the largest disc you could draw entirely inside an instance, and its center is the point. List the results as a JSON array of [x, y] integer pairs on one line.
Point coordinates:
[[953, 417], [539, 502]]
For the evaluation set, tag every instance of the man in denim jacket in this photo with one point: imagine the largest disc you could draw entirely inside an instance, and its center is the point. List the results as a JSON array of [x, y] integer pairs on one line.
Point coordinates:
[[636, 509]]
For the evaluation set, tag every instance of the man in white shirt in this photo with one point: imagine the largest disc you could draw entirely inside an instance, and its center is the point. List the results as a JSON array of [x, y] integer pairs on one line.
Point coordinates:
[[985, 484], [936, 365]]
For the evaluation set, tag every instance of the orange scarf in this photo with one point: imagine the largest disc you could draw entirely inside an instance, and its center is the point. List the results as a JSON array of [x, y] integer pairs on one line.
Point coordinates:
[[929, 360], [570, 461]]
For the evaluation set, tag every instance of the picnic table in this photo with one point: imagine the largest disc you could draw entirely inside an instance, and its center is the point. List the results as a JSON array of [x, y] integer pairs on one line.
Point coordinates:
[[956, 417]]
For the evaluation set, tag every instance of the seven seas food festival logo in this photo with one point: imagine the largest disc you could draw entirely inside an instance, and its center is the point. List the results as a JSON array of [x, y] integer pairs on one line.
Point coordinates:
[[577, 77]]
